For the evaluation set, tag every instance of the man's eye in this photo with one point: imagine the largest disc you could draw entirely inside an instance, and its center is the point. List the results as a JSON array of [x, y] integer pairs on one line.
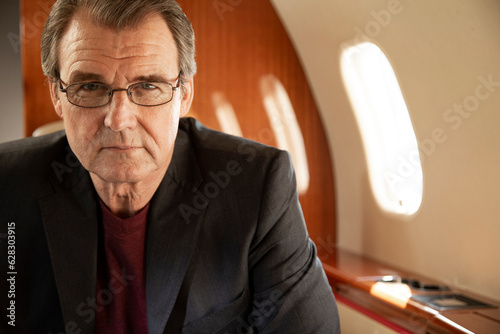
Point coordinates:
[[147, 86], [91, 86]]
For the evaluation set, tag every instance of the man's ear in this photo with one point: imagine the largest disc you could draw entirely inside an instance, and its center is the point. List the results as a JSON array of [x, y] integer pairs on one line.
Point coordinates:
[[54, 95], [187, 96]]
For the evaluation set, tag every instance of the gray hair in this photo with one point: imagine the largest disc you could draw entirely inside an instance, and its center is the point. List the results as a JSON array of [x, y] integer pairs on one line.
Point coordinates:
[[117, 14]]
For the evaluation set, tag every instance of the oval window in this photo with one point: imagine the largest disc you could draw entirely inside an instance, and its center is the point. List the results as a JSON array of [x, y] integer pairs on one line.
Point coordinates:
[[391, 148]]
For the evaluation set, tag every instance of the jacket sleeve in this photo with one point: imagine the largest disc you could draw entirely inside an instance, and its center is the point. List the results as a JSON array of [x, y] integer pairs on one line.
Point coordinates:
[[291, 292]]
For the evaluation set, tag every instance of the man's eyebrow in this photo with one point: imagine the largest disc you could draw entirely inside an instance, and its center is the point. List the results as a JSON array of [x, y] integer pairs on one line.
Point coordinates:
[[78, 76], [152, 78]]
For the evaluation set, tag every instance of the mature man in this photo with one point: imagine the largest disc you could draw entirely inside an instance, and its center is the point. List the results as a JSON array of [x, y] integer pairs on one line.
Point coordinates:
[[136, 220]]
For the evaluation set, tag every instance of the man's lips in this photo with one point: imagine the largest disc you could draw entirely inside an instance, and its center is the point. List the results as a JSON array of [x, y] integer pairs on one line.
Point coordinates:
[[121, 148]]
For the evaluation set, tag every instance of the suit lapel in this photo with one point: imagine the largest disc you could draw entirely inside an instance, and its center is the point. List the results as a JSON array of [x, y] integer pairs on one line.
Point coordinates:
[[70, 222], [177, 210]]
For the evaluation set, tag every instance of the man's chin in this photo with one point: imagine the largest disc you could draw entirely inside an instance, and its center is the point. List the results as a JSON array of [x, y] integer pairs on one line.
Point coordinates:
[[117, 180], [128, 172], [120, 175]]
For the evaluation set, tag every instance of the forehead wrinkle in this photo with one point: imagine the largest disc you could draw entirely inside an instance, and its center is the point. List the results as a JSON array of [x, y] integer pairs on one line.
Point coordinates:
[[88, 56], [124, 57], [112, 51], [141, 50], [74, 42], [105, 54], [81, 63]]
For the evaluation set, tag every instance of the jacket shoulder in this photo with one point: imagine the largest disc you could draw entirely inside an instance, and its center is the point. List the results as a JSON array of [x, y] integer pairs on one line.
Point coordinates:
[[30, 162], [31, 147], [250, 167], [214, 147]]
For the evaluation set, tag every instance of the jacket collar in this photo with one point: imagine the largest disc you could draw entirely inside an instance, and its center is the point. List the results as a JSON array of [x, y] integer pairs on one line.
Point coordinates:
[[70, 222], [177, 209], [70, 218]]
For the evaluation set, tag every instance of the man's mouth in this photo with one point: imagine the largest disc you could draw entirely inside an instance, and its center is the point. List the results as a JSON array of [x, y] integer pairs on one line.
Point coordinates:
[[121, 148]]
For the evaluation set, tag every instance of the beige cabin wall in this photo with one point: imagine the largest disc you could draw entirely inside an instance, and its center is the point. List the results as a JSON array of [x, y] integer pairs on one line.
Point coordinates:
[[442, 52]]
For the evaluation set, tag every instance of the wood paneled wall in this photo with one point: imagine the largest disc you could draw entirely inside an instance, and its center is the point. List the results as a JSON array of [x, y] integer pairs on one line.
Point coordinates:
[[238, 43], [38, 108]]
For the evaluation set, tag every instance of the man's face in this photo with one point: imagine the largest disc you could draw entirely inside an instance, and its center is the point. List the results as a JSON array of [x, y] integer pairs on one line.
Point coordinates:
[[122, 141]]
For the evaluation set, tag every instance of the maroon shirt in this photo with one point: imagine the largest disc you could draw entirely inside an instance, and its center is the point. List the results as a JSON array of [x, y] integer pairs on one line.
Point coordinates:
[[121, 274]]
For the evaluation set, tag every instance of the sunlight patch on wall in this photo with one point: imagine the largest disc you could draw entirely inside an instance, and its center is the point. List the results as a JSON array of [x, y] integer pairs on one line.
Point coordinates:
[[285, 127], [225, 115]]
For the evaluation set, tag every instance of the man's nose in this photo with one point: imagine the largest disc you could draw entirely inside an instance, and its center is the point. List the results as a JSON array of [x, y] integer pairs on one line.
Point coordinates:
[[121, 112]]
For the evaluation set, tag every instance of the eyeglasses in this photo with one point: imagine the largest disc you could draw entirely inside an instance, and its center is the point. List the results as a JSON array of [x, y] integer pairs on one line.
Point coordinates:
[[96, 94]]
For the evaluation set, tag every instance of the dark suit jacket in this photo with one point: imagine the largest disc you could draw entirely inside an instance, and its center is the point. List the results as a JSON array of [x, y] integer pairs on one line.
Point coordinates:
[[227, 247]]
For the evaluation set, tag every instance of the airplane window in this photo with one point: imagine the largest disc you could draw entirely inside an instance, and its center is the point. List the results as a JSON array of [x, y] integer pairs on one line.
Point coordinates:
[[391, 148]]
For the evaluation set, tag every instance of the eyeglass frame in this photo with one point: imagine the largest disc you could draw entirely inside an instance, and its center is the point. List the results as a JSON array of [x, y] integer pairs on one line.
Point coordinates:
[[129, 93]]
